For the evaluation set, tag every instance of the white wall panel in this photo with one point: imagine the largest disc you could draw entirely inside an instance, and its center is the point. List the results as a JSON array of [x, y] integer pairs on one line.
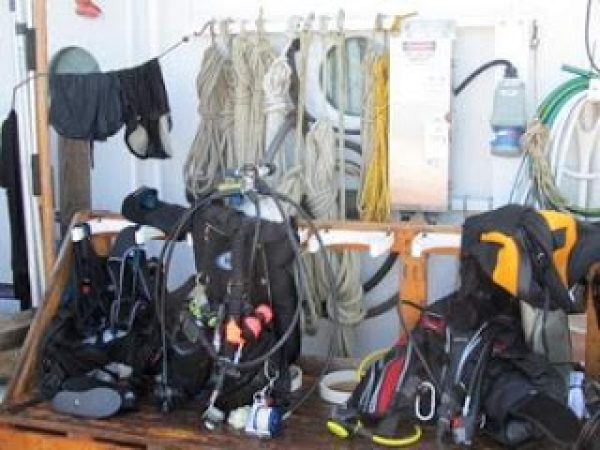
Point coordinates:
[[130, 31]]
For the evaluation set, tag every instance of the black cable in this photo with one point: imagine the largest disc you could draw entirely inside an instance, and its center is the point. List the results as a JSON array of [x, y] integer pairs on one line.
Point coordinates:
[[544, 321], [418, 350], [510, 71], [391, 302], [256, 201], [331, 278], [381, 272], [382, 307], [588, 47], [351, 145], [588, 432]]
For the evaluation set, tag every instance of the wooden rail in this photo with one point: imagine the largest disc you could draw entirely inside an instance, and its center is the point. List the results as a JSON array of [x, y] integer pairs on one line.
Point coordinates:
[[42, 134]]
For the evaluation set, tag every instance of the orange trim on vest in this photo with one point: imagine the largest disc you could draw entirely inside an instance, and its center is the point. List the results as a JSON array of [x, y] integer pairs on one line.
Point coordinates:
[[506, 270], [557, 221]]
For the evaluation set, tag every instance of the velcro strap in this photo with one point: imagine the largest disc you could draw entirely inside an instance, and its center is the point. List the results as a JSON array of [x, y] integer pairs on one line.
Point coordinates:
[[391, 375], [553, 419]]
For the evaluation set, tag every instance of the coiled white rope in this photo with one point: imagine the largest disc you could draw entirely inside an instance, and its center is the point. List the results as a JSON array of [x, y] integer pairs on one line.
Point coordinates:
[[321, 196], [212, 147], [320, 169], [320, 157], [251, 59], [341, 86], [292, 180], [278, 105]]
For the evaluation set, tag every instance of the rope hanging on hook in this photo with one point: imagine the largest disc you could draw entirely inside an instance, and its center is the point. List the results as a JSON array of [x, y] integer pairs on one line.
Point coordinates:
[[367, 121], [292, 182], [278, 105], [251, 60], [212, 148], [341, 85], [374, 197], [321, 157]]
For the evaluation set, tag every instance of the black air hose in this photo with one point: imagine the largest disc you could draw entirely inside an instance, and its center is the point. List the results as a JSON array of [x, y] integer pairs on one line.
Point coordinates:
[[510, 71], [381, 272]]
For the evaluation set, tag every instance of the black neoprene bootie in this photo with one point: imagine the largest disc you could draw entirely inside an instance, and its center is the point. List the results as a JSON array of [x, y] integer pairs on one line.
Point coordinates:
[[88, 397]]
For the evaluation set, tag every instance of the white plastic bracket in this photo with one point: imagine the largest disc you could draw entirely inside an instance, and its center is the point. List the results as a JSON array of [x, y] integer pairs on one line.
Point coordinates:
[[99, 225], [378, 242], [427, 241]]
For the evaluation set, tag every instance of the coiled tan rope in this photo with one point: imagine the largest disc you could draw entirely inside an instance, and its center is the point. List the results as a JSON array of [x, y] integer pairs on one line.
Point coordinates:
[[212, 147], [251, 59]]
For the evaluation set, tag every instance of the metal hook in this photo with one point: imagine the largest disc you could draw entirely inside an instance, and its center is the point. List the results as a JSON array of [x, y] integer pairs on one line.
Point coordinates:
[[211, 29], [21, 84], [308, 22], [378, 22], [224, 26], [294, 24], [260, 21], [243, 24], [324, 24], [341, 17], [399, 20]]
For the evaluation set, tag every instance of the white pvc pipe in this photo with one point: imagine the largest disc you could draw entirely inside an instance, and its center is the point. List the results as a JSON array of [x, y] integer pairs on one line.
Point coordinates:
[[24, 102]]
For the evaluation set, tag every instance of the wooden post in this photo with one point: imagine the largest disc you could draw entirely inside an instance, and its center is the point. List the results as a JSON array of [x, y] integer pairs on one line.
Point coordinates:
[[592, 335], [413, 288], [43, 142]]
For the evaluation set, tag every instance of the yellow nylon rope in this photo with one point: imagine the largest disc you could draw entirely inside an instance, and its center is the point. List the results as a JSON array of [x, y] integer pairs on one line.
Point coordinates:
[[375, 204]]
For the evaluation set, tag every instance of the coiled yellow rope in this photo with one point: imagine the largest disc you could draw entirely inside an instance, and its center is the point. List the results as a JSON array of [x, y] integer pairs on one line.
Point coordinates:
[[374, 200]]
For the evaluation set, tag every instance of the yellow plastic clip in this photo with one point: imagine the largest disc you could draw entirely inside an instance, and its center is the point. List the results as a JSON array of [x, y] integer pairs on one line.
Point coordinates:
[[399, 442], [338, 429]]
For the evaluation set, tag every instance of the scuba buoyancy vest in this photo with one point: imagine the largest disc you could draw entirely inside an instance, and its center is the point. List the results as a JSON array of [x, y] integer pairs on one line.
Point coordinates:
[[492, 379], [473, 379], [532, 254], [515, 247], [105, 331], [224, 238], [397, 391], [244, 262], [270, 278], [92, 281], [525, 398]]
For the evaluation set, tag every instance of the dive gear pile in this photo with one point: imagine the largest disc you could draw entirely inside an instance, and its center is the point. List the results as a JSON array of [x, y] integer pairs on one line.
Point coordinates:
[[226, 337], [468, 365]]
